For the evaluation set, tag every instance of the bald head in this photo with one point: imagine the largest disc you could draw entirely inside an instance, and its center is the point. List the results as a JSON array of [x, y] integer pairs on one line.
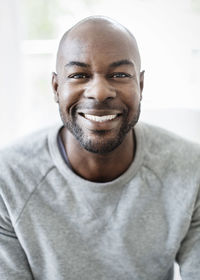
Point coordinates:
[[95, 30]]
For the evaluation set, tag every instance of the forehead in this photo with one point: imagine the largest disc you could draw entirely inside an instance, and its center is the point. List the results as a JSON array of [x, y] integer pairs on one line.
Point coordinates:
[[98, 44]]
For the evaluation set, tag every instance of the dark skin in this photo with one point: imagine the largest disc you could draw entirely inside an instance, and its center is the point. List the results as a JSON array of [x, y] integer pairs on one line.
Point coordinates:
[[98, 87]]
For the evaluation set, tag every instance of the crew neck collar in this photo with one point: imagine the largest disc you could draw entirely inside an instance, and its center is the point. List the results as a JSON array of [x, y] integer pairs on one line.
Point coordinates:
[[78, 181]]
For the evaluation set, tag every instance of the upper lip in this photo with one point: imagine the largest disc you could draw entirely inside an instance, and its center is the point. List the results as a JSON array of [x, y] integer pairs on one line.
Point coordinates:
[[99, 112]]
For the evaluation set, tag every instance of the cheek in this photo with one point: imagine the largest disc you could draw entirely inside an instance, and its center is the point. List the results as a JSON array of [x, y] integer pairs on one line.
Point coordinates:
[[68, 96], [131, 98]]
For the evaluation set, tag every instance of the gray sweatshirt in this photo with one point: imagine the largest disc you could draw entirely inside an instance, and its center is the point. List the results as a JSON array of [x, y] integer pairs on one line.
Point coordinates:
[[54, 225]]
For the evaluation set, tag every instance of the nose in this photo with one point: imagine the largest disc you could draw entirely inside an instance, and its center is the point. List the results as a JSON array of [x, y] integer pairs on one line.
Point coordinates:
[[99, 89]]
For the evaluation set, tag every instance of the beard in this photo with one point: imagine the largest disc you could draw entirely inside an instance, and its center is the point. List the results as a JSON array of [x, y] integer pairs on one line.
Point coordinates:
[[100, 145]]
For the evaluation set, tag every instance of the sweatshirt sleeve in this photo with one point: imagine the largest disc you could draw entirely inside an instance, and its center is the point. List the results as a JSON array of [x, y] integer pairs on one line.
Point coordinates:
[[13, 262], [188, 256]]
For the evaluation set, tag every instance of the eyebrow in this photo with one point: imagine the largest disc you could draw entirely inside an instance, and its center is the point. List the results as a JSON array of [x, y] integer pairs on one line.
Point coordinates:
[[121, 62], [77, 63], [112, 65]]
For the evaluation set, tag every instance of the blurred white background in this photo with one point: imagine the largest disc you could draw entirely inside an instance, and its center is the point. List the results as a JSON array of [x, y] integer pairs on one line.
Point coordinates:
[[168, 34]]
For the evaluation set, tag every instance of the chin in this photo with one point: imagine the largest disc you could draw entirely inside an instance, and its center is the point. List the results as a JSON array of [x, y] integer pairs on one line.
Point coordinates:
[[101, 142], [100, 147]]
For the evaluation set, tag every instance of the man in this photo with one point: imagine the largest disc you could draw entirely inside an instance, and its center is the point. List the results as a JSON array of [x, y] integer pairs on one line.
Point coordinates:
[[99, 197]]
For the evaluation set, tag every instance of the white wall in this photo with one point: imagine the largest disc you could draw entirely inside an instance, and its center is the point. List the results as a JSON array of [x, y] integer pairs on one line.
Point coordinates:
[[169, 41]]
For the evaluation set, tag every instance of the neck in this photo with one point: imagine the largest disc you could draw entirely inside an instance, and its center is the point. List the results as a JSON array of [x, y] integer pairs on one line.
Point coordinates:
[[99, 167]]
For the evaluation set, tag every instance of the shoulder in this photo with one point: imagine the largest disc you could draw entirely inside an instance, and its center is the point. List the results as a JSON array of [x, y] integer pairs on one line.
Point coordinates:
[[26, 152], [175, 162], [174, 159], [23, 166], [159, 141]]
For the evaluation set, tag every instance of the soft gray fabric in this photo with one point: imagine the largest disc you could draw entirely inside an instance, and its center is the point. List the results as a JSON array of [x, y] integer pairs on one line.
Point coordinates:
[[55, 225]]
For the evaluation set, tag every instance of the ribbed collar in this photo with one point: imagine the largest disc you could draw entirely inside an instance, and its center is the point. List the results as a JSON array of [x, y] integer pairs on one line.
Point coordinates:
[[77, 181]]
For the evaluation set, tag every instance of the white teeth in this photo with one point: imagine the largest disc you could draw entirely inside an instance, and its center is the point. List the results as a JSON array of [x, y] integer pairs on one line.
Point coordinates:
[[99, 118]]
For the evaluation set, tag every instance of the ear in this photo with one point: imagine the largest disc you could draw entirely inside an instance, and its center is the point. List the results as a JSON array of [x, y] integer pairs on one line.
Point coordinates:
[[141, 83], [55, 86]]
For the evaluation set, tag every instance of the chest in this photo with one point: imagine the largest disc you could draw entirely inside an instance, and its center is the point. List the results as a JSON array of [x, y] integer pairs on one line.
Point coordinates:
[[130, 233]]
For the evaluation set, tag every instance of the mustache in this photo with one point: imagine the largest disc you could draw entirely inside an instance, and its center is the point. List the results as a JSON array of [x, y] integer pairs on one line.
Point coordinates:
[[95, 105]]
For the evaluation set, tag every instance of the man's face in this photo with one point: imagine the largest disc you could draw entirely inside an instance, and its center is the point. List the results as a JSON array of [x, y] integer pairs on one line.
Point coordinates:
[[98, 87]]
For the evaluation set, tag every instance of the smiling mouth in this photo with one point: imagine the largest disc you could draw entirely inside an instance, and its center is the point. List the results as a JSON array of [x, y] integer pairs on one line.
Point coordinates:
[[100, 118]]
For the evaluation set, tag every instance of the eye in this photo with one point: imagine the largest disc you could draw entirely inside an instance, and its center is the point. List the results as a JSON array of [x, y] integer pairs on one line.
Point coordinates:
[[79, 76], [119, 75]]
